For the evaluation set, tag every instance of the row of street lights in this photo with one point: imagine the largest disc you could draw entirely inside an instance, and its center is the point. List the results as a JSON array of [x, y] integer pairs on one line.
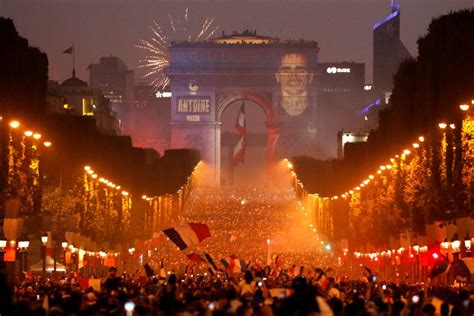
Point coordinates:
[[23, 246]]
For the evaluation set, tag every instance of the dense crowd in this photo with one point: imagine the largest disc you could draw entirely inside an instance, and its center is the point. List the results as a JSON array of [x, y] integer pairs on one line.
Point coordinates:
[[300, 279], [242, 221], [250, 293]]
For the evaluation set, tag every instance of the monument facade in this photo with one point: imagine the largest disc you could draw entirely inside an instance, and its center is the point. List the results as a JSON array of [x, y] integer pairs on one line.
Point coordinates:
[[278, 76]]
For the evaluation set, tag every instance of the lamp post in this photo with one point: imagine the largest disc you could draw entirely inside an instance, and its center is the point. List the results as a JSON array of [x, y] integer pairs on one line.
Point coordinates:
[[467, 245], [44, 242], [3, 245], [64, 245], [416, 249], [456, 244], [23, 245], [131, 251]]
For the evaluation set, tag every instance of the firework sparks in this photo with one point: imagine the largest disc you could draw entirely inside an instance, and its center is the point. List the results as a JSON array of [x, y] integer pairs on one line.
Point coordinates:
[[157, 47]]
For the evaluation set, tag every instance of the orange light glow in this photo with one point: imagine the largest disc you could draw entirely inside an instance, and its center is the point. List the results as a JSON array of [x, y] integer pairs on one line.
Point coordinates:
[[14, 124]]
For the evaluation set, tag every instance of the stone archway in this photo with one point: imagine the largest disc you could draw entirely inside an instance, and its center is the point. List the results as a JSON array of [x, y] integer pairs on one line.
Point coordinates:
[[207, 77], [264, 104]]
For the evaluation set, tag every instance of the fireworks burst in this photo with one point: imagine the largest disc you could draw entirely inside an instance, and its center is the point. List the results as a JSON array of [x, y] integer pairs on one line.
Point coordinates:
[[157, 47]]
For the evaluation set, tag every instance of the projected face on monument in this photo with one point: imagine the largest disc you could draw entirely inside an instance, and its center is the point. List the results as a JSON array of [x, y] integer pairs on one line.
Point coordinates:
[[294, 79]]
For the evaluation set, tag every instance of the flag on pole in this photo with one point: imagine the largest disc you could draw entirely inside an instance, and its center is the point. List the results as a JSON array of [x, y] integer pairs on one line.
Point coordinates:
[[187, 234], [69, 50], [239, 150]]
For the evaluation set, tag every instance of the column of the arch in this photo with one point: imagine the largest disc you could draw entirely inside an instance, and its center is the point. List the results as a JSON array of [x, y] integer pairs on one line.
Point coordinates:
[[206, 137], [217, 153]]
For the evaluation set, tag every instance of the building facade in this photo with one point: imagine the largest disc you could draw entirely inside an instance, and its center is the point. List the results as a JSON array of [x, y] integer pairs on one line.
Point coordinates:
[[75, 97], [342, 92], [278, 76]]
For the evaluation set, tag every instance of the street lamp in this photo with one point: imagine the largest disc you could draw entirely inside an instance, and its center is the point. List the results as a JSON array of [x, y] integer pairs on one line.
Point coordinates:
[[464, 107], [23, 245], [44, 241], [445, 245], [456, 244], [44, 238], [442, 125], [3, 245], [456, 247], [64, 245], [467, 244]]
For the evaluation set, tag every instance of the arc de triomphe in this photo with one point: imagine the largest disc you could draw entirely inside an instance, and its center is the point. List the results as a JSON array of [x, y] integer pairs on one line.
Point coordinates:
[[278, 76]]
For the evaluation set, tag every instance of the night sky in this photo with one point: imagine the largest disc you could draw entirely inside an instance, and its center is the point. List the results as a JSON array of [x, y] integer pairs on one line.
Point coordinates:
[[343, 28]]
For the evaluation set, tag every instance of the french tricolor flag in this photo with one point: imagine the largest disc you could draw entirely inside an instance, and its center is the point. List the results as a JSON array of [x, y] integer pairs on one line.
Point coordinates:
[[234, 265], [188, 234], [239, 150]]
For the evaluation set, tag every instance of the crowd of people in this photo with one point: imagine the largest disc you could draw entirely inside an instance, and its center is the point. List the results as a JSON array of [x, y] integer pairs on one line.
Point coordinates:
[[301, 277], [249, 224], [249, 293]]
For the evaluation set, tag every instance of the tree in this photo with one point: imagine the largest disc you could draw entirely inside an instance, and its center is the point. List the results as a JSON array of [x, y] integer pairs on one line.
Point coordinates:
[[23, 74]]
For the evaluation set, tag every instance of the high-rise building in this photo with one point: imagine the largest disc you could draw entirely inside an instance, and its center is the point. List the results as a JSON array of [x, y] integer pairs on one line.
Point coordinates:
[[388, 49], [341, 92], [117, 84]]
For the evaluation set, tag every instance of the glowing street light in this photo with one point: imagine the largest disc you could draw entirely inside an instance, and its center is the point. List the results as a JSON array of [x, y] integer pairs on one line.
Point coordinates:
[[28, 133], [416, 248], [14, 124], [421, 139], [87, 168], [44, 239], [416, 145], [47, 144], [445, 244], [456, 244], [452, 126], [464, 107], [36, 136], [442, 125]]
